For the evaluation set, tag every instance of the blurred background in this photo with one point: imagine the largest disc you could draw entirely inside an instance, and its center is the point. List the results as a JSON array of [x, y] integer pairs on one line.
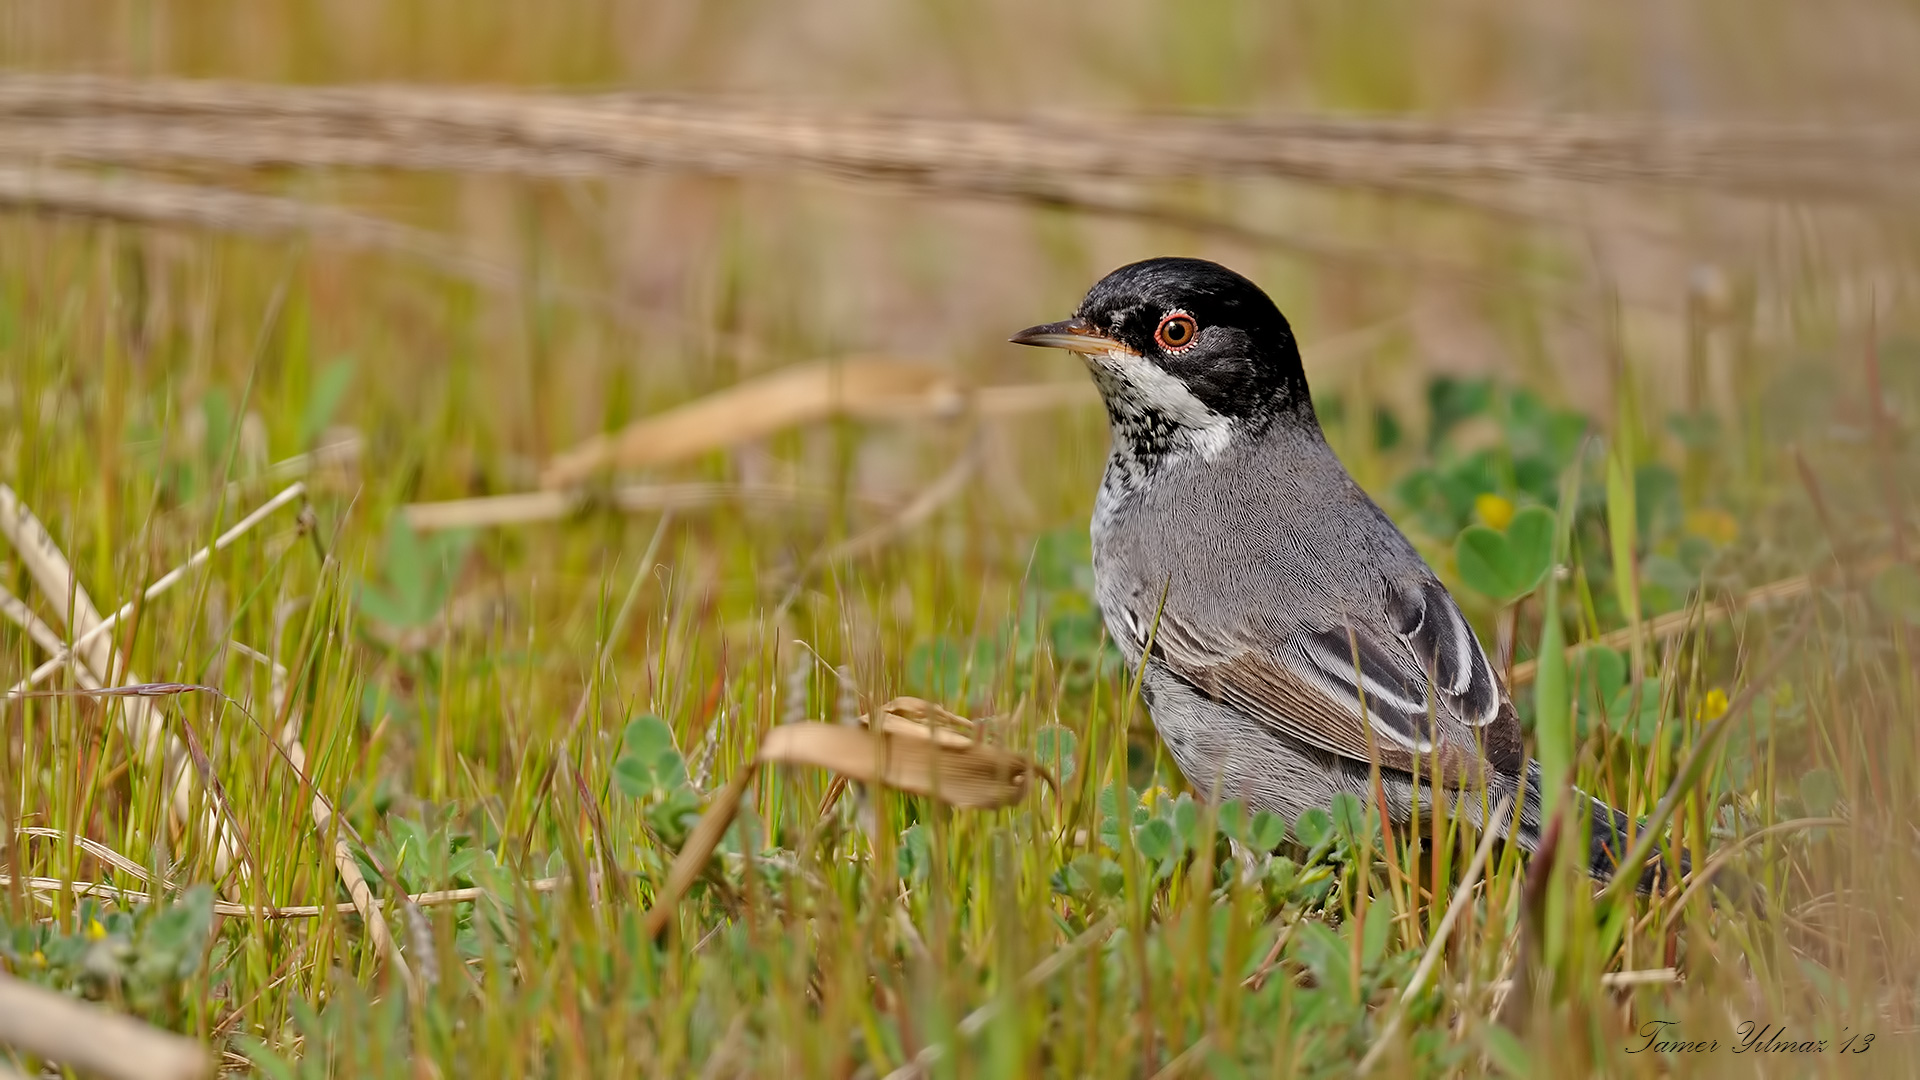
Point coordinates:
[[644, 286], [431, 259]]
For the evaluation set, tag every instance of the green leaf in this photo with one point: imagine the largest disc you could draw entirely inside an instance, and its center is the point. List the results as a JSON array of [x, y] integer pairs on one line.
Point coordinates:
[[1156, 840], [1267, 831], [407, 569], [1232, 819], [1186, 820], [1896, 591], [1326, 956], [1482, 556], [1373, 937], [671, 768], [329, 389], [1603, 673], [1451, 400], [1313, 827], [1351, 820], [380, 606], [649, 764], [645, 736], [916, 852], [1053, 747], [1530, 543], [1820, 791], [1509, 565]]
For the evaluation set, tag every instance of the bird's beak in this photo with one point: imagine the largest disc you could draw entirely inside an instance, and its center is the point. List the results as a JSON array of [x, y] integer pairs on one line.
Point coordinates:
[[1074, 335]]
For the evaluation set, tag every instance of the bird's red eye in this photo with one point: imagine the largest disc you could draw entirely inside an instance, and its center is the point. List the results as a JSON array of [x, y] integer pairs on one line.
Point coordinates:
[[1176, 331]]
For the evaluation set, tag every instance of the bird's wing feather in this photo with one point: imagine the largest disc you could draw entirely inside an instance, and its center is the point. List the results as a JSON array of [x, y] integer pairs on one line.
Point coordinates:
[[1410, 681], [1430, 627]]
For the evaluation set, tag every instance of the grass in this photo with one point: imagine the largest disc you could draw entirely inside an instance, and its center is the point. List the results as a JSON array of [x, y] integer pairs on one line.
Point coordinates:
[[541, 713]]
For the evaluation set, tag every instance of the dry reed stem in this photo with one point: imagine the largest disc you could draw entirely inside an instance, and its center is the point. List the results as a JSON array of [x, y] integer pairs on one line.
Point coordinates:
[[861, 387], [975, 776], [533, 507], [943, 490], [437, 898], [96, 666], [1677, 622], [348, 868], [129, 121], [858, 387], [157, 202], [37, 630], [90, 637], [91, 1039], [1615, 980]]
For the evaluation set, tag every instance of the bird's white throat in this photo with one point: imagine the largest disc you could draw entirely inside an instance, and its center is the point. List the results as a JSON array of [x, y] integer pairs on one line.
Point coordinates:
[[1154, 411]]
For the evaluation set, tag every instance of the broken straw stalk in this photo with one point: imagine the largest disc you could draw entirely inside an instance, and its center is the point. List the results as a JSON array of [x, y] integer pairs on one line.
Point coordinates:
[[9, 505]]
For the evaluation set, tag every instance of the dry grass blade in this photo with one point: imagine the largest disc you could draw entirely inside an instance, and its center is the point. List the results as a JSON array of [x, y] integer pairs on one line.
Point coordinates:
[[1700, 878], [974, 776], [92, 847], [759, 407], [91, 1039], [1705, 749], [976, 1021], [1678, 622], [1462, 896], [135, 121], [158, 202], [294, 755], [917, 758], [701, 843]]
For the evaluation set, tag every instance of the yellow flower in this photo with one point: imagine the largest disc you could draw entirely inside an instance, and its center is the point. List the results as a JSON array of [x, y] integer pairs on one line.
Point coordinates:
[[1715, 525], [94, 930], [39, 958], [1493, 510], [1713, 707]]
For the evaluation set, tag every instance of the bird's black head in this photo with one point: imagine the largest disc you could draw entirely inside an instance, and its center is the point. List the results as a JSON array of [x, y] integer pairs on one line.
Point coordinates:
[[1188, 342]]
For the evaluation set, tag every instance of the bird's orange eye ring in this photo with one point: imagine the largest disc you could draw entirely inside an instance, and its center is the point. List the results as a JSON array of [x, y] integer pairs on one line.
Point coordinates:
[[1176, 331]]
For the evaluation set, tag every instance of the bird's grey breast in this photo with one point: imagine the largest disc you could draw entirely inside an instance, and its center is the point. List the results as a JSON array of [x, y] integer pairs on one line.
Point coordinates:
[[1245, 546]]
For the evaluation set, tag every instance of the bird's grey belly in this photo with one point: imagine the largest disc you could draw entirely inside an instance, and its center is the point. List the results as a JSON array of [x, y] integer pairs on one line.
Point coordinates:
[[1227, 755]]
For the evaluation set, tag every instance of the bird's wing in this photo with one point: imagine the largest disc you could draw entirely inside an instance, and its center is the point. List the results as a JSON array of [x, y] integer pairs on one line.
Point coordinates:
[[1405, 678]]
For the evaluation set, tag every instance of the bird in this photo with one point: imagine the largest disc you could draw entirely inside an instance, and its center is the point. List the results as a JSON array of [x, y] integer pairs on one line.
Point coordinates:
[[1289, 640]]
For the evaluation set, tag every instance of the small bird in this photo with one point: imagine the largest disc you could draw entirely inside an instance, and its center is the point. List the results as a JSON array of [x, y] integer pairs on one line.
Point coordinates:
[[1291, 635]]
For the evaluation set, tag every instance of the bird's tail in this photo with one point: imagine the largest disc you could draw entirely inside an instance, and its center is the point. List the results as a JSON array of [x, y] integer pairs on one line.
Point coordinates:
[[1608, 831]]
